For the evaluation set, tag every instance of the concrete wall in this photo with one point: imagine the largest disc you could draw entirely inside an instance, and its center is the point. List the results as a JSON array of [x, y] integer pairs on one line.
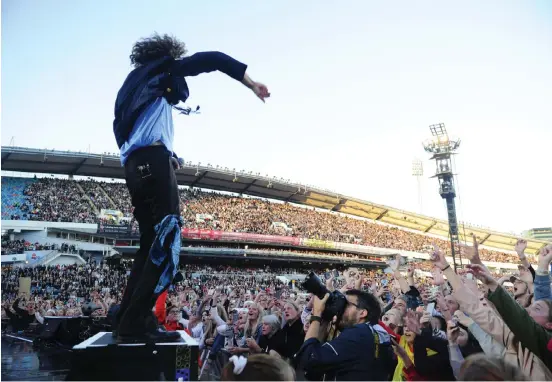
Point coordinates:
[[23, 225]]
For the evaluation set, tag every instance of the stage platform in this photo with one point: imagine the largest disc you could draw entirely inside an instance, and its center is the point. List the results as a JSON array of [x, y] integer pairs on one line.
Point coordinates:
[[101, 358], [23, 362]]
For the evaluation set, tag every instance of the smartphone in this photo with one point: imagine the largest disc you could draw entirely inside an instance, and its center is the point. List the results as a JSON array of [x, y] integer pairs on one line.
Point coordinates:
[[327, 275], [336, 273], [469, 276], [384, 282], [430, 308]]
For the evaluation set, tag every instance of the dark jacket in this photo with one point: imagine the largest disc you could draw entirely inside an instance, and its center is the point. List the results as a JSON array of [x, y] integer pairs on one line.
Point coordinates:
[[288, 340], [165, 77], [436, 367], [353, 356]]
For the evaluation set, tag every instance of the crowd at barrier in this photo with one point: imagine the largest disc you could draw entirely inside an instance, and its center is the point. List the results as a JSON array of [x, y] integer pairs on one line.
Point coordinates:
[[390, 325], [63, 201]]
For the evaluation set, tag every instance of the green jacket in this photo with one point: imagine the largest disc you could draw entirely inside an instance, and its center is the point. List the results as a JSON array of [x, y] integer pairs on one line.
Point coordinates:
[[531, 335]]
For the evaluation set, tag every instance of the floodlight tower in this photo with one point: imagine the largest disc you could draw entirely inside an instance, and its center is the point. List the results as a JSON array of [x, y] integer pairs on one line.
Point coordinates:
[[442, 148]]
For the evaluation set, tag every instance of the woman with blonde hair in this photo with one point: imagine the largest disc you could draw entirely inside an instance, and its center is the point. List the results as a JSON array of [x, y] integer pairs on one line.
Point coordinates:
[[251, 330]]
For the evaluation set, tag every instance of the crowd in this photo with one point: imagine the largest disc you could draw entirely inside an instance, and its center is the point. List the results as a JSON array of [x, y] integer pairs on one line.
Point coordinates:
[[11, 247], [98, 194], [60, 200], [57, 200], [376, 325]]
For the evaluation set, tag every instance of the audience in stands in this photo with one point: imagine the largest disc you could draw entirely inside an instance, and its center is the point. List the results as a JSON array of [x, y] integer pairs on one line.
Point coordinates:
[[63, 200]]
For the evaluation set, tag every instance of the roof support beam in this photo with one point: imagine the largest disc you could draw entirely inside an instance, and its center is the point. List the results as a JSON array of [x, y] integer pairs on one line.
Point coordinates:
[[485, 239], [199, 177], [382, 215], [78, 166], [340, 202], [247, 187], [430, 226], [291, 196]]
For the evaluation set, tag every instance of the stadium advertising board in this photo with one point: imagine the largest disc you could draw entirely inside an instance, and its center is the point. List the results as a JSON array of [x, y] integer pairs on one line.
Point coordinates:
[[318, 243], [206, 234], [115, 229]]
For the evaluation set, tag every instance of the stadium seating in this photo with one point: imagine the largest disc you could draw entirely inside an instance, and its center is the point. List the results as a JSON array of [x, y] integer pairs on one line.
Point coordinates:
[[15, 205], [65, 200]]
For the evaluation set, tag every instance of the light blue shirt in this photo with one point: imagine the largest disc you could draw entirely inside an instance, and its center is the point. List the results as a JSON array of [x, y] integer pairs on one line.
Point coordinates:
[[154, 125]]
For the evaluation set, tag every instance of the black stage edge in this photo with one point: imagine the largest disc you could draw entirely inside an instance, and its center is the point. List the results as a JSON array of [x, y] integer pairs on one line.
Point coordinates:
[[99, 358]]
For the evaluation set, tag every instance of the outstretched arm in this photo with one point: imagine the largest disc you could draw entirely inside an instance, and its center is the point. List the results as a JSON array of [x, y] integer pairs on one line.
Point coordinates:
[[206, 62]]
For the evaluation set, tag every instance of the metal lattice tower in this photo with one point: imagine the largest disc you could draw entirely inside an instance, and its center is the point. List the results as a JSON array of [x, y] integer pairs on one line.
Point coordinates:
[[442, 148]]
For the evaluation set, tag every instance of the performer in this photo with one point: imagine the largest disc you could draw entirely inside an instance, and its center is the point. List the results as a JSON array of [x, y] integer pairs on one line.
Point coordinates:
[[144, 131]]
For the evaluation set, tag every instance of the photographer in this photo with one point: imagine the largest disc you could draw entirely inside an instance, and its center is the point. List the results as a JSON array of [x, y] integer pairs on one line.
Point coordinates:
[[361, 352]]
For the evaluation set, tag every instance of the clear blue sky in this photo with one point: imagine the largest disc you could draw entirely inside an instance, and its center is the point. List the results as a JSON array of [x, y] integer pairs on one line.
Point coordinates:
[[354, 85]]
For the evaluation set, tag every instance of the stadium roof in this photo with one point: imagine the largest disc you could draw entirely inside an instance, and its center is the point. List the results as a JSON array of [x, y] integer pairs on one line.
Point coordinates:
[[30, 160]]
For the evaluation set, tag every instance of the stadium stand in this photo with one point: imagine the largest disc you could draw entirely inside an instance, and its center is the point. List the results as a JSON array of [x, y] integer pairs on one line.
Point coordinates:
[[64, 200], [15, 205]]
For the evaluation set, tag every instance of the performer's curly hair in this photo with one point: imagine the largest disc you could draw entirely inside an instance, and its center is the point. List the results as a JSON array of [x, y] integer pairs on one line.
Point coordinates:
[[154, 47]]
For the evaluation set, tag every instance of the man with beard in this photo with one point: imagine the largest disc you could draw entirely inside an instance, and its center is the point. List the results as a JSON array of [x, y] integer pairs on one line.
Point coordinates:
[[362, 352]]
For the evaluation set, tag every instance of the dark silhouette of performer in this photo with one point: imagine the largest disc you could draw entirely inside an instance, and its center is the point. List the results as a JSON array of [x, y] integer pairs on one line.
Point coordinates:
[[144, 131]]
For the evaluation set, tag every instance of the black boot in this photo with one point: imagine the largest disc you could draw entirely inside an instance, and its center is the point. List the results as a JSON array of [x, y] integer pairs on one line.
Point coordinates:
[[153, 333]]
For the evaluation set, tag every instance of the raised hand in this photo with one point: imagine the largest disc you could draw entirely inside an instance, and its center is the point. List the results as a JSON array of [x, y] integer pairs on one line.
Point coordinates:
[[520, 247], [438, 278], [394, 265], [462, 318], [425, 321], [483, 275], [358, 281], [453, 331], [545, 258], [471, 253], [413, 322], [329, 282], [438, 258], [260, 90]]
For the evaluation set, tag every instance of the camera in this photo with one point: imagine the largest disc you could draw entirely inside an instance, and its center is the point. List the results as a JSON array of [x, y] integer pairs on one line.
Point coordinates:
[[336, 304]]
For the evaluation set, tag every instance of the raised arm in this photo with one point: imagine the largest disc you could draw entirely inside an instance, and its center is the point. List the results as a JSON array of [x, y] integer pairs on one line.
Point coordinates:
[[542, 278], [520, 247], [206, 62], [531, 335], [398, 276]]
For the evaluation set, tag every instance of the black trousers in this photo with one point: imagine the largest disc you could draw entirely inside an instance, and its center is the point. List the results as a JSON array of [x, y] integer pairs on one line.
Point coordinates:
[[152, 185]]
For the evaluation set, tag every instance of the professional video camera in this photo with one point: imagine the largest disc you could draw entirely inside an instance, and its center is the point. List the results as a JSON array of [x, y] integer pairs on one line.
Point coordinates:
[[336, 304]]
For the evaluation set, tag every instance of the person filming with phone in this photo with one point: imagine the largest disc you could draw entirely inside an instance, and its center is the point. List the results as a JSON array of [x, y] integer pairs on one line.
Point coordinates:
[[362, 351]]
